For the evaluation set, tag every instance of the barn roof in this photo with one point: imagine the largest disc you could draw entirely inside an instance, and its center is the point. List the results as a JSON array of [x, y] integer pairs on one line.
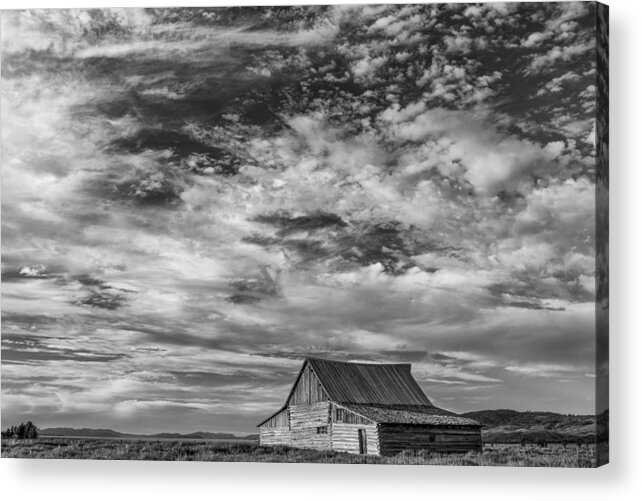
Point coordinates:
[[409, 414], [384, 393], [387, 384]]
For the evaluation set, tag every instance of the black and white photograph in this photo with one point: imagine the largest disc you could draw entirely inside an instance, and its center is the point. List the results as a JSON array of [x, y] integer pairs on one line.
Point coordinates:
[[361, 233]]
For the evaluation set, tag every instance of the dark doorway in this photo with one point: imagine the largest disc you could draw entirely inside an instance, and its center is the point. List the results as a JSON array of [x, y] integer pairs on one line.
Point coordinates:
[[363, 443]]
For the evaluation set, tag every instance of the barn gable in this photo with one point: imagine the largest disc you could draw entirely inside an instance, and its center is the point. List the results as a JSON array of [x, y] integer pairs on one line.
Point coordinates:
[[307, 389]]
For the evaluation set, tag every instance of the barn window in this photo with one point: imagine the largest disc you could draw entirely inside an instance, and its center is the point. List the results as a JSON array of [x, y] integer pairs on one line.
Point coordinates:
[[431, 437], [321, 430]]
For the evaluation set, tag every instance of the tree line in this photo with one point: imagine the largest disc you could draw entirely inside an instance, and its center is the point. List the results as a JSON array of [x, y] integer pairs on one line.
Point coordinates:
[[22, 431]]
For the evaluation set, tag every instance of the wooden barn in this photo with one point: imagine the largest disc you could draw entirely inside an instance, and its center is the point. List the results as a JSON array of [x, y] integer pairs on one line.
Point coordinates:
[[365, 409]]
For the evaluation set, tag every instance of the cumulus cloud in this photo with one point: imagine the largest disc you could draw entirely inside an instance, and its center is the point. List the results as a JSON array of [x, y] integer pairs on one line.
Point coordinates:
[[558, 53], [490, 161], [556, 84], [533, 40]]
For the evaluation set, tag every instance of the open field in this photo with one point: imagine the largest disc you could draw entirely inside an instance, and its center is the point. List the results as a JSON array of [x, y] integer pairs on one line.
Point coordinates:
[[180, 450]]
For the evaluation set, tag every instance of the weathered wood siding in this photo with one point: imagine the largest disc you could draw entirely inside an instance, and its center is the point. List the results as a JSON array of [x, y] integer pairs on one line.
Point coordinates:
[[305, 421], [279, 420], [342, 415], [394, 438], [275, 436], [276, 430], [308, 389], [345, 437]]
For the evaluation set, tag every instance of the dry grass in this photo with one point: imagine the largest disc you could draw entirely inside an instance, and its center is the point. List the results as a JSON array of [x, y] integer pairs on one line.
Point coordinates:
[[170, 450]]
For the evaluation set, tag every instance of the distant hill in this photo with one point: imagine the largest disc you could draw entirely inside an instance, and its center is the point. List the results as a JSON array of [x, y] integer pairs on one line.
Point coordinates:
[[508, 426], [82, 432], [500, 426], [203, 435], [105, 433]]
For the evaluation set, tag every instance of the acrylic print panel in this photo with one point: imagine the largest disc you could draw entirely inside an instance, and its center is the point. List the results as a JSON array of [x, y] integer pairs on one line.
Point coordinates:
[[316, 234]]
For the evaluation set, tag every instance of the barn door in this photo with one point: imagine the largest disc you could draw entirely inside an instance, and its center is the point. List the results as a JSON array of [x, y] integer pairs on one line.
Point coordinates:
[[363, 443]]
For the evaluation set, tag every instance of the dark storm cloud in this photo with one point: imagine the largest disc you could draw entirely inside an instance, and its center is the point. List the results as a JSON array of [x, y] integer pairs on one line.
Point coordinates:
[[89, 281], [88, 290], [532, 306], [16, 356], [325, 236], [97, 293], [404, 355], [255, 289], [103, 300], [236, 377], [29, 349], [26, 273], [159, 139], [309, 223], [26, 320], [389, 244]]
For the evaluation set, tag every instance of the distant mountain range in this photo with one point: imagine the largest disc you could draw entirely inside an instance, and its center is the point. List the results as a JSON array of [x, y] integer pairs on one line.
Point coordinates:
[[500, 426], [106, 433]]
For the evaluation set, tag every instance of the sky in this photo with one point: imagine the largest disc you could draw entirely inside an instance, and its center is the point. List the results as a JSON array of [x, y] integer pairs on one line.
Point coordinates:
[[194, 200]]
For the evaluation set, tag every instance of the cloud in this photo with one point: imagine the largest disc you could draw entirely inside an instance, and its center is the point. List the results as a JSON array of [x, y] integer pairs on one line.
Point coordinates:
[[555, 85], [534, 40], [184, 221], [458, 44], [557, 54], [542, 370], [490, 161]]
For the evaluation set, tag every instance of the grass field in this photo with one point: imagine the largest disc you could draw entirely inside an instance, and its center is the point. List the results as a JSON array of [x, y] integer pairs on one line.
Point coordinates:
[[177, 450]]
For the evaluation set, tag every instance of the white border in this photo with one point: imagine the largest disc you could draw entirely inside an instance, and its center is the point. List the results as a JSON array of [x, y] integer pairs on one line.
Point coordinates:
[[105, 480]]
